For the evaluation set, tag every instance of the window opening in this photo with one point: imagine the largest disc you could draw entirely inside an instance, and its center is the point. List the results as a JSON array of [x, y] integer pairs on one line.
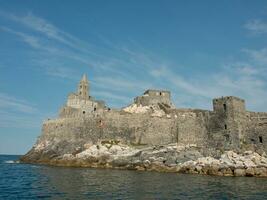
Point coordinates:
[[224, 107], [260, 139]]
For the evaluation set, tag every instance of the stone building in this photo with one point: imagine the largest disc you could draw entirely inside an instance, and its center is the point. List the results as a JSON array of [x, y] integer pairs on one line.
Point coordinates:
[[153, 97], [81, 103], [228, 126]]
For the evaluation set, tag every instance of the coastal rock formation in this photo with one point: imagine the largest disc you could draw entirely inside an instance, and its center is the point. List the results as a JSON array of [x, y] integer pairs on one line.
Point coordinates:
[[168, 158], [229, 164], [151, 134]]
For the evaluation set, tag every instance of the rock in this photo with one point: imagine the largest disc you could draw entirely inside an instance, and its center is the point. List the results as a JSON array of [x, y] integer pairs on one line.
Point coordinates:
[[250, 171], [88, 145], [248, 152], [147, 163], [248, 163], [198, 168], [68, 156], [239, 164], [114, 149], [261, 171], [134, 108], [227, 171], [213, 170], [240, 172], [140, 168]]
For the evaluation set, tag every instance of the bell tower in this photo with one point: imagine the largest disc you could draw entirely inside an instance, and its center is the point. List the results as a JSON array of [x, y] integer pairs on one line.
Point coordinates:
[[83, 88]]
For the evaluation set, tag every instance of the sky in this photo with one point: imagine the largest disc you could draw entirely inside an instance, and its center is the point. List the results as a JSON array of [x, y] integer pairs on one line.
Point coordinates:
[[199, 50]]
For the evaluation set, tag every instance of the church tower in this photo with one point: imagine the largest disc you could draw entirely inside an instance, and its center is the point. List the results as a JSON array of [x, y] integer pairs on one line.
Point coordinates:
[[83, 88]]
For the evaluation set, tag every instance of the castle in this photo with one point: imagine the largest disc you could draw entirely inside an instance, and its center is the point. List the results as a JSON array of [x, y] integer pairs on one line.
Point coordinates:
[[152, 119]]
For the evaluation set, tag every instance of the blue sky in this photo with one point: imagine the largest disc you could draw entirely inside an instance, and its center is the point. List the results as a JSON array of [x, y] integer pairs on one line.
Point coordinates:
[[197, 49]]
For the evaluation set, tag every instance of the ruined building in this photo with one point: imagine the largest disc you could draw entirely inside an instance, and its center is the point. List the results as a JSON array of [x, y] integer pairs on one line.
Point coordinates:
[[152, 119]]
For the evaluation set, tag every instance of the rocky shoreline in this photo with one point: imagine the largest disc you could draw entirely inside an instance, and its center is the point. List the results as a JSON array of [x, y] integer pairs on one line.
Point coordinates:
[[167, 158]]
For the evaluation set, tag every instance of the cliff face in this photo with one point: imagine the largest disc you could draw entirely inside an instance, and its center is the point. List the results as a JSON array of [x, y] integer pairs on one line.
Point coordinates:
[[150, 126]]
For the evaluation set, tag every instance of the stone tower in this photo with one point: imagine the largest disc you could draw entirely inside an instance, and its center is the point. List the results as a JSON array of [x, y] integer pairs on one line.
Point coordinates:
[[83, 88], [231, 116]]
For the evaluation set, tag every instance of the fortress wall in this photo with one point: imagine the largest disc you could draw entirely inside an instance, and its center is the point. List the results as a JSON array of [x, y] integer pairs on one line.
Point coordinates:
[[228, 127], [186, 127], [191, 126], [148, 100], [219, 138], [256, 131], [139, 129]]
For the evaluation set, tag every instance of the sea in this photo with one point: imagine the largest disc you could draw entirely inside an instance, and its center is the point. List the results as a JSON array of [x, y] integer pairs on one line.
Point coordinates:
[[27, 181]]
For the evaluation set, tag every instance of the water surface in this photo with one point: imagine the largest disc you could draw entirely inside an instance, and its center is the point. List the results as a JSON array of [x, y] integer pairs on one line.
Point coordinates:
[[25, 181]]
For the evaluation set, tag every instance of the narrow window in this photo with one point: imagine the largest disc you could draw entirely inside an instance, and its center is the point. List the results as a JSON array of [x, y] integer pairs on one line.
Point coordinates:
[[225, 126], [80, 86], [160, 93], [260, 139], [80, 92], [83, 112], [224, 107], [94, 108]]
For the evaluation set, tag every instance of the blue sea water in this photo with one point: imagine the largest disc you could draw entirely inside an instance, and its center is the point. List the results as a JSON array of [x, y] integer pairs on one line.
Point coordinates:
[[25, 181]]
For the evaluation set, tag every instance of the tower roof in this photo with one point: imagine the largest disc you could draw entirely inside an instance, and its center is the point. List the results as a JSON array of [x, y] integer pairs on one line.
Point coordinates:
[[84, 78]]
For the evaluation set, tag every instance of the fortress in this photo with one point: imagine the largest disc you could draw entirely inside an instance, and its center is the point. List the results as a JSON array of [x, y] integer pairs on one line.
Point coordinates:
[[152, 119]]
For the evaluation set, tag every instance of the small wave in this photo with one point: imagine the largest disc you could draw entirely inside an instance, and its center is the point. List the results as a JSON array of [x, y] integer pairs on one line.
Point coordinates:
[[11, 161]]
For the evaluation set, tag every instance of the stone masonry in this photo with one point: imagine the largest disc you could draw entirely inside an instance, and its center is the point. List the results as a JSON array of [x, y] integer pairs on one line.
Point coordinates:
[[152, 119]]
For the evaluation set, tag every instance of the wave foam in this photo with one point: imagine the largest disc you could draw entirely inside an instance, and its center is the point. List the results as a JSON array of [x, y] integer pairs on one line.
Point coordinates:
[[11, 161]]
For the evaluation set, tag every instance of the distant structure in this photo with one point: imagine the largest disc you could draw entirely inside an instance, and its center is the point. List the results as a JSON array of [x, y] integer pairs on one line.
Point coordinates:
[[152, 119], [81, 102], [154, 97]]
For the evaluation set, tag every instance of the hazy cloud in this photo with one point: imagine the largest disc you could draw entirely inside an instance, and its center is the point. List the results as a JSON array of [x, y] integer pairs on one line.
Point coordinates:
[[256, 26], [10, 102], [121, 71]]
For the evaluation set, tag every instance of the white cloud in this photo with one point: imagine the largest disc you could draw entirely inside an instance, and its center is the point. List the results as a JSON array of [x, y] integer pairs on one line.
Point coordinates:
[[111, 96], [256, 26], [38, 24], [12, 103], [259, 56], [62, 72], [31, 40], [13, 120], [114, 67]]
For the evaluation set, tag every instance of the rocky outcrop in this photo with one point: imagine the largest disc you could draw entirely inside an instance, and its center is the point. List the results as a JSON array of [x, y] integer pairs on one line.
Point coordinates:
[[230, 164], [167, 158]]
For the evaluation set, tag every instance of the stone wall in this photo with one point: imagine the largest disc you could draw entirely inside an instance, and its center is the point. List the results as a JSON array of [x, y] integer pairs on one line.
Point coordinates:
[[180, 126], [228, 127], [255, 136]]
